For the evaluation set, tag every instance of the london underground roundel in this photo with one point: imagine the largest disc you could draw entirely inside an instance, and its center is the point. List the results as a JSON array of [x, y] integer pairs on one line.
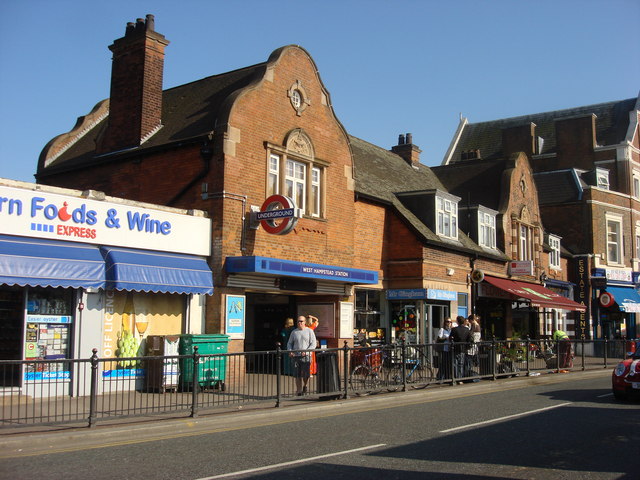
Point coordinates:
[[606, 299], [278, 215]]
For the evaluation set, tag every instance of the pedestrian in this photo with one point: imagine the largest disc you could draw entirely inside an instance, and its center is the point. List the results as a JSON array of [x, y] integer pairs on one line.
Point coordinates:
[[301, 340], [312, 323], [285, 333], [461, 338], [564, 348], [444, 353]]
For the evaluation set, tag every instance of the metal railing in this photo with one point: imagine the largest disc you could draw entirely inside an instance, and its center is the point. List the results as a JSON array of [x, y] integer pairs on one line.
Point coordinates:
[[88, 391]]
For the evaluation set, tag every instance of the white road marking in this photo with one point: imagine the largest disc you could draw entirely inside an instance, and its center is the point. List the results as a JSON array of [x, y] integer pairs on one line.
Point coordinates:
[[605, 395], [495, 420], [294, 462]]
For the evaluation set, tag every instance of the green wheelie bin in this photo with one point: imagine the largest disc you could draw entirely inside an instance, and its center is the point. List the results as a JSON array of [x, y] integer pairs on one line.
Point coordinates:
[[211, 370]]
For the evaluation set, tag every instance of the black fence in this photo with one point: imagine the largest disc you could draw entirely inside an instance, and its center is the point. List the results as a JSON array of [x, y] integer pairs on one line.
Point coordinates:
[[93, 390]]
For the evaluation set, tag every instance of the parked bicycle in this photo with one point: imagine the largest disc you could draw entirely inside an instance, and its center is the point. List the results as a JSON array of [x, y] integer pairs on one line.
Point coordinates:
[[418, 370], [367, 376]]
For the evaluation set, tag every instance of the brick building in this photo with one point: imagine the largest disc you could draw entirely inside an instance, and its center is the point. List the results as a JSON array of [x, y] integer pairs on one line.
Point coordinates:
[[586, 164], [363, 234]]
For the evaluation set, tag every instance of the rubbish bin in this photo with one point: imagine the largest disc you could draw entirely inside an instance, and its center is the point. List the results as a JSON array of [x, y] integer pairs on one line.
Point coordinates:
[[162, 373], [486, 359], [328, 376], [211, 370]]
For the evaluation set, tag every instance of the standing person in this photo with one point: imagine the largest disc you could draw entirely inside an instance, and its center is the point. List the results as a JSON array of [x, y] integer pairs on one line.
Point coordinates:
[[312, 323], [444, 370], [460, 337], [301, 339], [285, 333], [564, 348]]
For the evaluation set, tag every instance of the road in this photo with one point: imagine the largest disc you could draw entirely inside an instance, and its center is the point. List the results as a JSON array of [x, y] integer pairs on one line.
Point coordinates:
[[533, 429]]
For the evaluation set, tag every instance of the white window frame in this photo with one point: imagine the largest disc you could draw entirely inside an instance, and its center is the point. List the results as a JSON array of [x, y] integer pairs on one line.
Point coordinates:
[[637, 242], [635, 185], [525, 242], [315, 205], [295, 182], [273, 175], [554, 253], [614, 239], [486, 229], [602, 178], [446, 217]]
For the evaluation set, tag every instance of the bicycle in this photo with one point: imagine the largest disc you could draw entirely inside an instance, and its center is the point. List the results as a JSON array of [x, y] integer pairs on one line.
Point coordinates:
[[418, 371], [366, 376]]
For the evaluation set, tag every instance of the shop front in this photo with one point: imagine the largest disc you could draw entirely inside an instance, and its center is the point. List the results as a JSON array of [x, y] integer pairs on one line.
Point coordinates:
[[618, 303], [80, 271], [512, 308], [269, 290]]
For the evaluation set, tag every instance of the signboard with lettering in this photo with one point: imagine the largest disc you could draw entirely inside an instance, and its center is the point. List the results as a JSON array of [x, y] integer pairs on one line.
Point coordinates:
[[521, 267], [40, 214]]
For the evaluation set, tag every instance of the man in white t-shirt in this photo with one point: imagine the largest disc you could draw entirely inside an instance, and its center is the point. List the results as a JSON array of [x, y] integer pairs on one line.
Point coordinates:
[[301, 339]]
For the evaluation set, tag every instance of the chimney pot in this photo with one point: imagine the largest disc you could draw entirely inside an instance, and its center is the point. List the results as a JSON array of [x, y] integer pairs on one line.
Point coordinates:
[[401, 139], [409, 139], [151, 23]]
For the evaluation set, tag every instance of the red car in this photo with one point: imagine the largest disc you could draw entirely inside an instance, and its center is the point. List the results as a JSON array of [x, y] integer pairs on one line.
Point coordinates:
[[625, 380]]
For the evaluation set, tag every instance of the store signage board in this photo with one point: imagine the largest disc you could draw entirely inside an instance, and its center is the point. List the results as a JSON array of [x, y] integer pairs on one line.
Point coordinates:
[[407, 294], [347, 320], [521, 267], [447, 295], [235, 307], [49, 319], [34, 213]]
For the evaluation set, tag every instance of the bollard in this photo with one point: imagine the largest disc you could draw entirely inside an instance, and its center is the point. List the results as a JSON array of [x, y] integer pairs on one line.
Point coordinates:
[[93, 399], [345, 368], [194, 383]]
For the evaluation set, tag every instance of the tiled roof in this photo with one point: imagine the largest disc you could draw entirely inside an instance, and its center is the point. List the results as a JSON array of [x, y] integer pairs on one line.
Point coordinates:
[[476, 183], [189, 111], [381, 174], [611, 127], [559, 186]]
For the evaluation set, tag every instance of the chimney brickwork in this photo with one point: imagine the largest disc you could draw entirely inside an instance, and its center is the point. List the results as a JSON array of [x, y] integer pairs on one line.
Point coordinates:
[[135, 105], [519, 139], [407, 150]]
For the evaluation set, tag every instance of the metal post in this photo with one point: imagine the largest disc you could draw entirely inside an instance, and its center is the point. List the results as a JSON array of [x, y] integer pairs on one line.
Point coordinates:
[[194, 383], [345, 368], [403, 355], [278, 373], [557, 356], [93, 399], [606, 346], [494, 358], [454, 360], [582, 354], [526, 354]]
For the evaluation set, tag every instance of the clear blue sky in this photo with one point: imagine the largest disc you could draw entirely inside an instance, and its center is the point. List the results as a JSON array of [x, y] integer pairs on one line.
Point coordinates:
[[391, 67]]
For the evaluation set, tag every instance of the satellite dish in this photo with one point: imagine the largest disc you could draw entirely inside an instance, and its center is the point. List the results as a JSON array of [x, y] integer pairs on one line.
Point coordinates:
[[477, 276]]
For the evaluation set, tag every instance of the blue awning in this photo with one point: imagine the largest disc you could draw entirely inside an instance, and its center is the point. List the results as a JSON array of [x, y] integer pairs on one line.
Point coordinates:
[[627, 298], [152, 271], [39, 262]]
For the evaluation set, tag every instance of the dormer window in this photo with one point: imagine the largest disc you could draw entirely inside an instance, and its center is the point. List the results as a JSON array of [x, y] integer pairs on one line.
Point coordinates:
[[602, 178], [447, 217], [486, 229]]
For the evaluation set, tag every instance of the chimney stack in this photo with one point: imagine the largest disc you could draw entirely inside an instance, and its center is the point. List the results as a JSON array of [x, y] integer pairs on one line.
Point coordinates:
[[407, 150], [135, 105]]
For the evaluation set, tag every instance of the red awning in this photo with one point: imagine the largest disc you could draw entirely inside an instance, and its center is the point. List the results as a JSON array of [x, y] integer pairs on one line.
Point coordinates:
[[538, 295]]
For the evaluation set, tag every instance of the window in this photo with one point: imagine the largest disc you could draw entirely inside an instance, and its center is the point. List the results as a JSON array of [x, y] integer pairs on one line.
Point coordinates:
[[273, 179], [602, 178], [525, 243], [636, 184], [487, 234], [554, 254], [637, 251], [293, 171], [614, 240], [447, 215], [294, 182]]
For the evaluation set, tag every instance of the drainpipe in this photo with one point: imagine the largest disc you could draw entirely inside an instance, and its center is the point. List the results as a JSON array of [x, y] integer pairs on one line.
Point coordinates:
[[232, 196]]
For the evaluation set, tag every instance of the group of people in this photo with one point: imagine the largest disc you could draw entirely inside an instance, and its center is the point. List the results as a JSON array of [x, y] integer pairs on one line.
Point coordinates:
[[299, 339], [464, 338]]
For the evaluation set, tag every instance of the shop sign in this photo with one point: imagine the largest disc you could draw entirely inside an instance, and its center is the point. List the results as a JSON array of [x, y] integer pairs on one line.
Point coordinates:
[[407, 294], [235, 309], [77, 219], [521, 267], [447, 295], [618, 275], [278, 215], [49, 318]]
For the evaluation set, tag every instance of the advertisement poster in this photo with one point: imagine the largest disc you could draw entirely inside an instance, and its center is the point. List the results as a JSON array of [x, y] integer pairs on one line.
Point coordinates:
[[235, 309], [326, 317], [347, 320], [129, 318]]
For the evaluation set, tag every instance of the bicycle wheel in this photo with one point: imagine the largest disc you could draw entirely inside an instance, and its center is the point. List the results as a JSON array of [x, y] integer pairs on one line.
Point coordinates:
[[393, 377], [421, 376], [360, 379]]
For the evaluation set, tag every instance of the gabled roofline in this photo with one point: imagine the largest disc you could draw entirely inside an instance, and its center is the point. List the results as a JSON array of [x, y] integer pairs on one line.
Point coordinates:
[[454, 142]]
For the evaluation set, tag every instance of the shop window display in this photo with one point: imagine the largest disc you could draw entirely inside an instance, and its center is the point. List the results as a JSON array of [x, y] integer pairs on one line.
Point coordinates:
[[368, 329]]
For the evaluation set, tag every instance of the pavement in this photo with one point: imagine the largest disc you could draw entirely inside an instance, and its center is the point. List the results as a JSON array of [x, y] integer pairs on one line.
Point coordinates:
[[39, 440]]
